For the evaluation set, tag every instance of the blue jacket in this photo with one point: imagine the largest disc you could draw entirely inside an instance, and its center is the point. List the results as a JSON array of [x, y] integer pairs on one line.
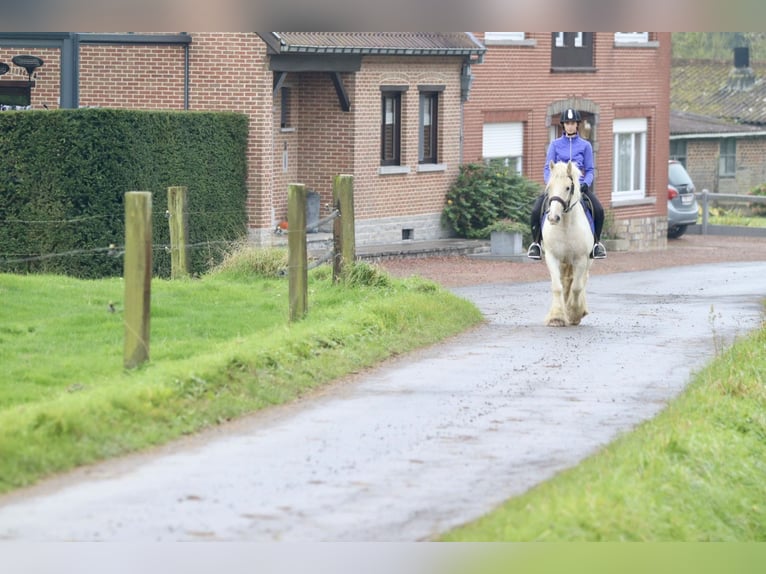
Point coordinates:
[[576, 149]]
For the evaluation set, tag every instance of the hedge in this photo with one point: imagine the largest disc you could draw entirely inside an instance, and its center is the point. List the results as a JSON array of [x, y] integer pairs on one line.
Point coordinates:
[[64, 173]]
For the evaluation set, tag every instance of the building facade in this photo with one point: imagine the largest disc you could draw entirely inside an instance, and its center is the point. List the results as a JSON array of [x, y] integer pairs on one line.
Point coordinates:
[[619, 82]]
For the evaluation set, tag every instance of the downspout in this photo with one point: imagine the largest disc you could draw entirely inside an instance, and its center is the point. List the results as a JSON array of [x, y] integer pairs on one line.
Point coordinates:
[[186, 75], [465, 89]]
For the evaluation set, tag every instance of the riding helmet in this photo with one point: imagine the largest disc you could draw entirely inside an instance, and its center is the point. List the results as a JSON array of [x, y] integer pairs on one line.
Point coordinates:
[[570, 115]]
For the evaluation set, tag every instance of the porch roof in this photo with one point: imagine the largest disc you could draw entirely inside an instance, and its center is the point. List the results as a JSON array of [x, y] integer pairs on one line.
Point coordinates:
[[375, 43]]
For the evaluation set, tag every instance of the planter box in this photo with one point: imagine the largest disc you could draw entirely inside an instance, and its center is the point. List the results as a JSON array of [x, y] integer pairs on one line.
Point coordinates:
[[505, 243], [616, 244]]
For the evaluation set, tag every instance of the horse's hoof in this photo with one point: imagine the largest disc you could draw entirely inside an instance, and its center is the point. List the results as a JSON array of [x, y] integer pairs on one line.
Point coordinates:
[[556, 323]]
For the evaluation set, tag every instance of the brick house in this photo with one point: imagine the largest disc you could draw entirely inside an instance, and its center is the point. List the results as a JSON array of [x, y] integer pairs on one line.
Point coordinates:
[[385, 107], [718, 122], [620, 82]]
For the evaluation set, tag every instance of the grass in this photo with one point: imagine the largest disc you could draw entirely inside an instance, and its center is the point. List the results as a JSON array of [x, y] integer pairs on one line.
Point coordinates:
[[694, 473], [221, 346], [734, 218]]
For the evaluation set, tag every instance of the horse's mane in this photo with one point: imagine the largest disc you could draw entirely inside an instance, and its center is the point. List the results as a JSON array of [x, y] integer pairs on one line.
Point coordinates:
[[559, 169]]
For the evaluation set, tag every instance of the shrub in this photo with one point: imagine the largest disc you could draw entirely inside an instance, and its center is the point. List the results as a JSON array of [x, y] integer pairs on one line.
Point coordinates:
[[64, 174], [484, 194], [246, 260], [758, 209]]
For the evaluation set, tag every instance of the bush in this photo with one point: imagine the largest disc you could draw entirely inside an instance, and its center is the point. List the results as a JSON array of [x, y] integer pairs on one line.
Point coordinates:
[[758, 209], [484, 194], [246, 261]]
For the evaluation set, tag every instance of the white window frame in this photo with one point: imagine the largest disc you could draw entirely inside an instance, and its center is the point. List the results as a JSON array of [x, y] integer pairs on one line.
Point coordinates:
[[504, 36], [728, 159], [631, 37], [504, 140], [560, 40], [636, 130]]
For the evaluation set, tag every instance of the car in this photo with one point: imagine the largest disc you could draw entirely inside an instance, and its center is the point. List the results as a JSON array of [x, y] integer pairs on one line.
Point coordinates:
[[682, 203]]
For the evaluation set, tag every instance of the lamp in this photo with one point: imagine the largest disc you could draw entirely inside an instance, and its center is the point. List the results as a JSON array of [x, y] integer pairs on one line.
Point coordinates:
[[466, 79], [4, 68], [29, 63]]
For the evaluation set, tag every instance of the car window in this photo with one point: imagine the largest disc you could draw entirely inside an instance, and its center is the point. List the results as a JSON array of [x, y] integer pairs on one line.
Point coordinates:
[[677, 175]]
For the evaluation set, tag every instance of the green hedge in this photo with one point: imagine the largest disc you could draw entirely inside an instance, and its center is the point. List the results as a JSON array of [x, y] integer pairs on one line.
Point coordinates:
[[64, 173]]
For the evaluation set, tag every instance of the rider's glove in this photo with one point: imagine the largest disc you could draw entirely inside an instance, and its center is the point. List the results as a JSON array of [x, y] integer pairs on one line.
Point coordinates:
[[583, 187]]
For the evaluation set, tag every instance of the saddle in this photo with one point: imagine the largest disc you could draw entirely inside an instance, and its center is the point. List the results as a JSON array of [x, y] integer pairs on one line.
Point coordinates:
[[587, 206]]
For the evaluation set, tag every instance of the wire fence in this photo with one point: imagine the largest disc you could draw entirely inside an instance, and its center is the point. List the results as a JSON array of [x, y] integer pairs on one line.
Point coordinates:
[[42, 230]]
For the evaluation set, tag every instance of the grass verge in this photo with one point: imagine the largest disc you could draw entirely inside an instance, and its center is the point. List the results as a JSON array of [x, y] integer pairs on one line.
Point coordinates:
[[220, 347], [694, 473]]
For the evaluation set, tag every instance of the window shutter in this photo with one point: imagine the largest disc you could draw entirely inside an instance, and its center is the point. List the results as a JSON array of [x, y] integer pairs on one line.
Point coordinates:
[[503, 140]]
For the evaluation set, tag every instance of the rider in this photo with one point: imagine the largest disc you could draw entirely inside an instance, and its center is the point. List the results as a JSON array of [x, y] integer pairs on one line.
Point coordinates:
[[570, 146]]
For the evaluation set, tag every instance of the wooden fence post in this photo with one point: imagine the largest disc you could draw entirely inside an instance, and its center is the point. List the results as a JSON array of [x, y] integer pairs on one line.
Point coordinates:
[[137, 276], [297, 252], [344, 238], [178, 219]]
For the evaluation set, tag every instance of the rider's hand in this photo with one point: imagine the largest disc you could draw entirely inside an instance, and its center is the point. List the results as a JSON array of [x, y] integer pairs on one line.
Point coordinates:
[[583, 187]]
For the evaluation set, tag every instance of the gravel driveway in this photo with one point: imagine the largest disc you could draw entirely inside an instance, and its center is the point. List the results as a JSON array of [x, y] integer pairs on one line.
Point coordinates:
[[431, 440]]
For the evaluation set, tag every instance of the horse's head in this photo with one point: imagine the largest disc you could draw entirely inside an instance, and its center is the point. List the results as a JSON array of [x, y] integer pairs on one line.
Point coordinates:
[[563, 190]]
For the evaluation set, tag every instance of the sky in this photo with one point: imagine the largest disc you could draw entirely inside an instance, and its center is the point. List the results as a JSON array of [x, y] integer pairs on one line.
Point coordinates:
[[390, 15]]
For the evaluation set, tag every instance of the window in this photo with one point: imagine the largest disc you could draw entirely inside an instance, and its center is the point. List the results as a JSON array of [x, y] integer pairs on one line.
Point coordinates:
[[631, 37], [727, 162], [391, 128], [629, 159], [15, 95], [678, 151], [284, 117], [572, 50], [504, 143], [429, 127]]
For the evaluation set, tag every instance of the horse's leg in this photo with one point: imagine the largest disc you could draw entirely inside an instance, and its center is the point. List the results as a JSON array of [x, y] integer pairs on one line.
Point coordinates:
[[555, 316], [570, 310], [577, 304]]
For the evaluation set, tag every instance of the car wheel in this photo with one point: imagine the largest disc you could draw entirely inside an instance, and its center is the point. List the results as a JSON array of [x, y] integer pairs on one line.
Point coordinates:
[[676, 231]]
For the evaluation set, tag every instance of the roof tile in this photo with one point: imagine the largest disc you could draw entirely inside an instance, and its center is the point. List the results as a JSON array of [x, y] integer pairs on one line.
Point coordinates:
[[416, 43]]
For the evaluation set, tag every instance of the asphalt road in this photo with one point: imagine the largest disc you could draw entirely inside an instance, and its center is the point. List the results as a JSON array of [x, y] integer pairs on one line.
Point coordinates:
[[425, 442]]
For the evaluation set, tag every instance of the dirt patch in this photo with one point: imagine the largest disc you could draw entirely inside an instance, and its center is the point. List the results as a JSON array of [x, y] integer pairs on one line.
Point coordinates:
[[460, 271]]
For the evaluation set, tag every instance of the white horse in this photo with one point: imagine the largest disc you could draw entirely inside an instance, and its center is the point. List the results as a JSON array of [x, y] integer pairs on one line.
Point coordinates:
[[567, 244]]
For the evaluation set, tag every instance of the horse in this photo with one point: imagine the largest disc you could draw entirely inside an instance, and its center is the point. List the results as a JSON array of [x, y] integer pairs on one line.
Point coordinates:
[[567, 245]]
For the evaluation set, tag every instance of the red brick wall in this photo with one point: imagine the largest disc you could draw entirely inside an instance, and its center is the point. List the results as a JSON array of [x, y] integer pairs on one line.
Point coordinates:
[[132, 76], [229, 71], [415, 193], [517, 82], [326, 146]]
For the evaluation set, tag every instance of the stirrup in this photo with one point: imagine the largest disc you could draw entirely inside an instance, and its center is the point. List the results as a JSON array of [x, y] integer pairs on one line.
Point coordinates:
[[534, 251], [598, 254]]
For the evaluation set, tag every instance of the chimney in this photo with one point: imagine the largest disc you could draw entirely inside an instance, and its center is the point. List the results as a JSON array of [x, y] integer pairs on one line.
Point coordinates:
[[741, 77]]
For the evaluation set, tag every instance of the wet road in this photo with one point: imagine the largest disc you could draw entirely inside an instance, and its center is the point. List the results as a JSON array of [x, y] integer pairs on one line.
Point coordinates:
[[426, 442]]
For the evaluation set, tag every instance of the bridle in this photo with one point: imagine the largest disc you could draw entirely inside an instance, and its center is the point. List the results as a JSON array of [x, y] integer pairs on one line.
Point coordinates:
[[567, 205]]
